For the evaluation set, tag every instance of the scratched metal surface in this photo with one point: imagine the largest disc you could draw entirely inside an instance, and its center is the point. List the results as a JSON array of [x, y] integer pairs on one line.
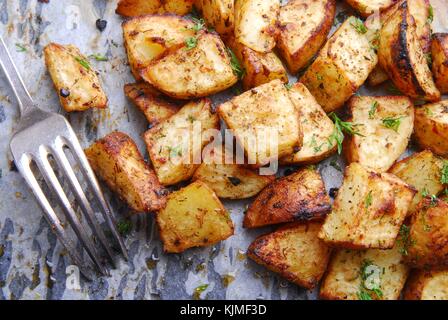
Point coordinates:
[[32, 262]]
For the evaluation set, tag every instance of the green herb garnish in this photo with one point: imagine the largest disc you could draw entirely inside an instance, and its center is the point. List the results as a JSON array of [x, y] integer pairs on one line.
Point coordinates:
[[392, 123], [83, 63], [288, 86], [191, 43], [444, 173], [319, 77], [198, 290], [359, 26], [366, 293], [368, 200], [431, 14], [98, 57], [339, 128], [175, 151], [373, 109], [199, 24], [20, 48], [124, 227], [238, 70], [405, 240]]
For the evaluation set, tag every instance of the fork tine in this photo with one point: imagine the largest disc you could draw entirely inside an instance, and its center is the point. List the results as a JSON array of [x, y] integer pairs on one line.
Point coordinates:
[[53, 183], [64, 165], [50, 215], [80, 156]]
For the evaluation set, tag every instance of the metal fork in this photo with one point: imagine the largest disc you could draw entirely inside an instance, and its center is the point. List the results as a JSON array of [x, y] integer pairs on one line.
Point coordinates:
[[43, 135]]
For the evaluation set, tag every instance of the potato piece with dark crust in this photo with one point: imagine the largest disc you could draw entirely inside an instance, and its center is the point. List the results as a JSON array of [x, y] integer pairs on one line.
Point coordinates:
[[257, 115], [192, 72], [423, 171], [151, 102], [259, 68], [304, 27], [428, 235], [317, 128], [228, 179], [173, 145], [75, 81], [147, 38], [401, 55], [117, 161], [368, 210], [384, 133], [193, 217], [294, 251], [426, 285], [351, 275], [341, 66], [299, 196], [219, 14], [133, 8], [256, 23], [440, 61], [431, 127]]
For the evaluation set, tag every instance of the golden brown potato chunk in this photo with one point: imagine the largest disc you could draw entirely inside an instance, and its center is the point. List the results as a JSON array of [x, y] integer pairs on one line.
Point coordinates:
[[440, 61], [150, 102], [294, 251], [228, 179], [74, 79], [371, 274], [367, 7], [423, 171], [219, 14], [258, 68], [193, 217], [256, 23], [117, 161], [147, 38], [317, 128], [132, 8], [427, 285], [386, 129], [173, 146], [431, 127], [304, 26], [299, 196], [401, 55], [199, 68], [341, 66], [265, 116], [428, 236], [368, 210]]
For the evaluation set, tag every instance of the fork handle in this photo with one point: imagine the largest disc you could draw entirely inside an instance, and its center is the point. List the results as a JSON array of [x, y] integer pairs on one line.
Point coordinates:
[[14, 79]]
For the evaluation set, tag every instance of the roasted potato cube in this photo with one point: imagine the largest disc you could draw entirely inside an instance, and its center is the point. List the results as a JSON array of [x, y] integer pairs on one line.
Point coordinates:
[[132, 8], [317, 128], [423, 171], [150, 102], [228, 179], [427, 246], [259, 68], [220, 14], [304, 27], [294, 251], [440, 61], [368, 210], [256, 23], [367, 7], [193, 217], [147, 38], [117, 161], [341, 66], [427, 285], [265, 116], [431, 127], [371, 274], [401, 55], [299, 196], [74, 79], [173, 145], [193, 72], [384, 133]]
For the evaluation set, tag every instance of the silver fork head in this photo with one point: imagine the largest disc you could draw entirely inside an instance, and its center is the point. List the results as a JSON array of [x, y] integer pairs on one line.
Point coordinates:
[[41, 136]]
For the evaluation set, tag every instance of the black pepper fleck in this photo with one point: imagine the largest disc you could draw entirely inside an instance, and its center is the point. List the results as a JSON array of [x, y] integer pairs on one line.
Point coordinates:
[[235, 181], [101, 24], [333, 192], [64, 92]]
